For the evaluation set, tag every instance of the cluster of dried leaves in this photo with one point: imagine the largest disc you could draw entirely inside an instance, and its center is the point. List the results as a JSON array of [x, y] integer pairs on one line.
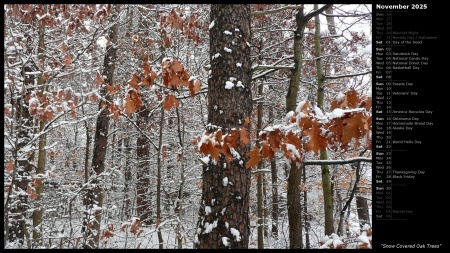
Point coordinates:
[[306, 130]]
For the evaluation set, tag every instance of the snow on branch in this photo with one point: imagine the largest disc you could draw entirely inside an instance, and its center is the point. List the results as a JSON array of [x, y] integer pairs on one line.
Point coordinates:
[[349, 75], [262, 67], [293, 7], [345, 161]]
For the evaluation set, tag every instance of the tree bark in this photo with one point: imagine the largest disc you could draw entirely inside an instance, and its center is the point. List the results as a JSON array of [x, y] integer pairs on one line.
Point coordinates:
[[274, 172], [143, 172], [224, 208], [363, 210]]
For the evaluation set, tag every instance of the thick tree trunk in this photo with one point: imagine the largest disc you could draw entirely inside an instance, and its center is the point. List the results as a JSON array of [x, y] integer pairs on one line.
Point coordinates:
[[143, 173], [224, 210], [95, 194], [326, 182]]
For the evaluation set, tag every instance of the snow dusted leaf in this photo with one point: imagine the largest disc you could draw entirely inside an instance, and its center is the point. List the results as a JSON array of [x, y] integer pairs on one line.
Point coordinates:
[[110, 89], [254, 158], [136, 227], [32, 192], [367, 103], [293, 139], [336, 127], [218, 136], [274, 138], [351, 99], [287, 153], [134, 82], [99, 79], [170, 101], [208, 148], [316, 140], [36, 181], [108, 232], [231, 138], [63, 47], [244, 136], [246, 121], [67, 60], [177, 66], [354, 126], [194, 86], [130, 107], [10, 166], [267, 152]]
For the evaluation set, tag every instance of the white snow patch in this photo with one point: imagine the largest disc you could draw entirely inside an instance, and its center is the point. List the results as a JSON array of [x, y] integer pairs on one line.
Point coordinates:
[[340, 97], [226, 224], [363, 238], [229, 85], [241, 162], [207, 210], [216, 56], [235, 154], [367, 49], [205, 159], [239, 84], [338, 112], [209, 227], [294, 152], [366, 227], [318, 112], [226, 241], [238, 64], [192, 78], [223, 210], [236, 29], [211, 25], [236, 234], [227, 49], [227, 32], [225, 181], [101, 41], [248, 44], [289, 116]]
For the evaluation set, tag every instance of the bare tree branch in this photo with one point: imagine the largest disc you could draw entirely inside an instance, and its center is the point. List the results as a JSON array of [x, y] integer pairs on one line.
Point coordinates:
[[292, 7], [349, 75], [345, 161]]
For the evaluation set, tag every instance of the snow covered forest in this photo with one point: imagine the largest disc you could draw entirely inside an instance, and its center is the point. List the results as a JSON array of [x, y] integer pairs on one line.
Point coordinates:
[[187, 126]]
